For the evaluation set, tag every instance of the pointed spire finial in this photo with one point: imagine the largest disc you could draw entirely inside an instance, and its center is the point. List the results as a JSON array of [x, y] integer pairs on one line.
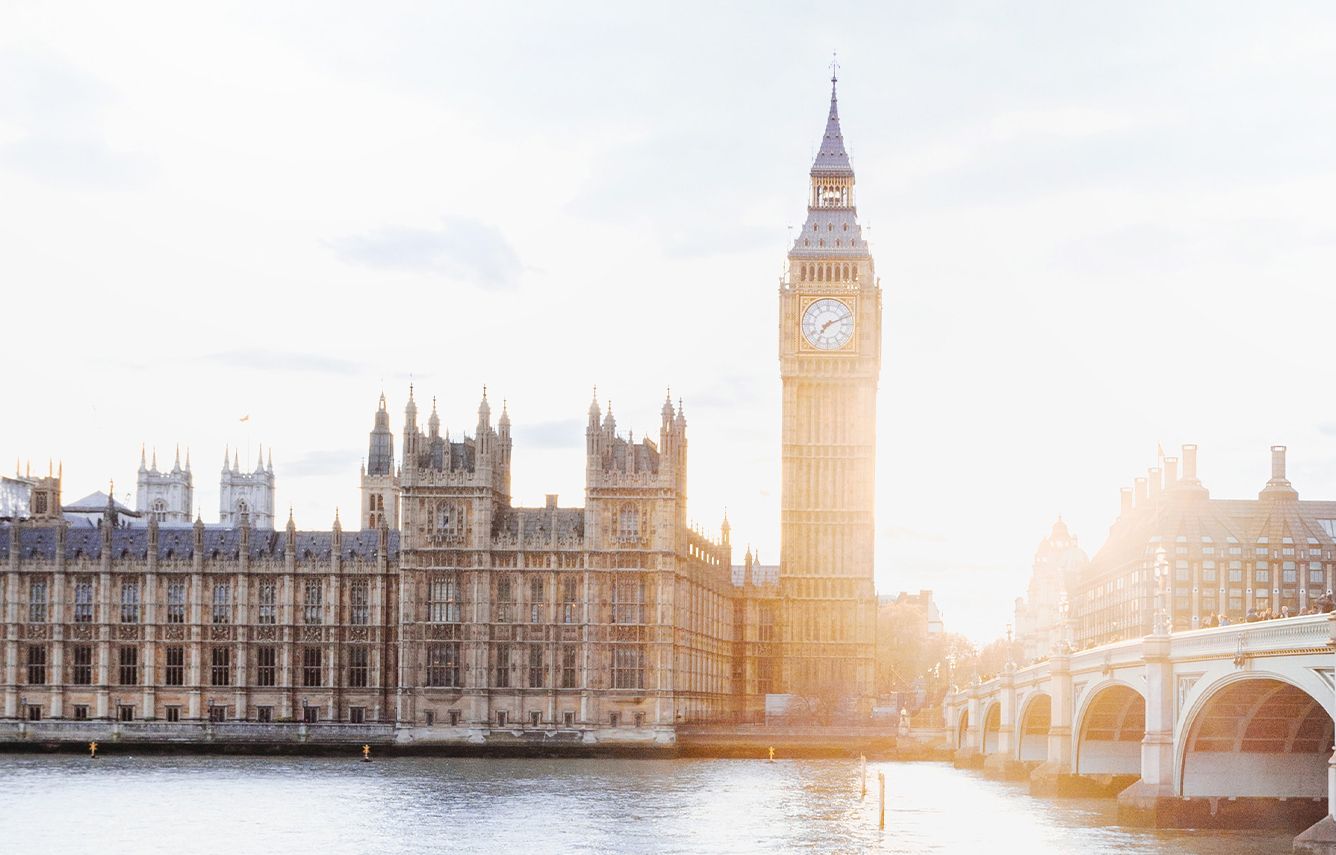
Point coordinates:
[[176, 467], [187, 458], [154, 467], [142, 459]]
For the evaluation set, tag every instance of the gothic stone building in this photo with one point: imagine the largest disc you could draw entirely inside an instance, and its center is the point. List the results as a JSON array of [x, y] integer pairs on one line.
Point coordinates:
[[611, 622]]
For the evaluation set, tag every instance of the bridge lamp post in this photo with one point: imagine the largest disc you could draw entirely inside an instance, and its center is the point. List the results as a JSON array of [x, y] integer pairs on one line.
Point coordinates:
[[1064, 624], [1161, 623]]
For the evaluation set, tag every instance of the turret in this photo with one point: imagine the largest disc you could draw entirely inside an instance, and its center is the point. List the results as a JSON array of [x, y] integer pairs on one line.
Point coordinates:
[[380, 445], [433, 421]]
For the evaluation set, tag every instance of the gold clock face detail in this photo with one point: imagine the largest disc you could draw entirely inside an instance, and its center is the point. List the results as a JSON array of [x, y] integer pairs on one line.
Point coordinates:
[[828, 324]]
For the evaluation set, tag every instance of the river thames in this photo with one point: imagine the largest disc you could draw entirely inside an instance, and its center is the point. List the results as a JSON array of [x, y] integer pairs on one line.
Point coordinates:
[[156, 804]]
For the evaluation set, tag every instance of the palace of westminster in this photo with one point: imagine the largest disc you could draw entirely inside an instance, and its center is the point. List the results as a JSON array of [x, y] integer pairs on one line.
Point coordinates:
[[452, 614]]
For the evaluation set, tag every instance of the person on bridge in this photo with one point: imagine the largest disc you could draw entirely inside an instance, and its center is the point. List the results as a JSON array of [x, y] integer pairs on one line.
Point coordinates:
[[1224, 621], [1325, 603], [1210, 621]]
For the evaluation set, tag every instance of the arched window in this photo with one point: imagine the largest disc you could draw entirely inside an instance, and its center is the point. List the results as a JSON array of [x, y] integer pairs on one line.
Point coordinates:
[[628, 522]]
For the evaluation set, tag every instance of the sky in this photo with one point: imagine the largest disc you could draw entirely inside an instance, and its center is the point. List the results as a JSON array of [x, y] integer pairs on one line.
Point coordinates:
[[1099, 228]]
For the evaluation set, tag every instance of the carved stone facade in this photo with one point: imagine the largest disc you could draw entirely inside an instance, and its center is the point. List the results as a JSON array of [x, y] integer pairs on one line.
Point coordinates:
[[611, 622]]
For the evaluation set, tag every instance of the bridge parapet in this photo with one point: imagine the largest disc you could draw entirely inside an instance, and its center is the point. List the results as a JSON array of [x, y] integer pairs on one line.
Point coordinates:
[[1305, 634]]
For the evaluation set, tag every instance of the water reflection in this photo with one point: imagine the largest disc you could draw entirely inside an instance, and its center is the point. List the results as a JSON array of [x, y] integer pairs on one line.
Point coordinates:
[[230, 805]]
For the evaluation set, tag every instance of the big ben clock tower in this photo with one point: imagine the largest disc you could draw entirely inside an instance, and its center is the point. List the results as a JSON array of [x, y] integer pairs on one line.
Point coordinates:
[[829, 358]]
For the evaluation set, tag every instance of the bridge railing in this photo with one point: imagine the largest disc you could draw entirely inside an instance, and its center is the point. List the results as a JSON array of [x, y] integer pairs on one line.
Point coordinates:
[[1304, 633]]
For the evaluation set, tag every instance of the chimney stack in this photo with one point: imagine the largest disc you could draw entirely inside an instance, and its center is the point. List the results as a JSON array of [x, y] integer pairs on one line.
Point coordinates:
[[1170, 472], [1142, 495], [1190, 462], [1156, 482], [1125, 494], [1278, 487]]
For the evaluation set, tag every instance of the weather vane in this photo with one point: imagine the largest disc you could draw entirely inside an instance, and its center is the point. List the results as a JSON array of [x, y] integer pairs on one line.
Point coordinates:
[[834, 66]]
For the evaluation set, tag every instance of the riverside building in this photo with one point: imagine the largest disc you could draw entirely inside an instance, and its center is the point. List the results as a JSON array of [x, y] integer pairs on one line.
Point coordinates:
[[1177, 555], [614, 621]]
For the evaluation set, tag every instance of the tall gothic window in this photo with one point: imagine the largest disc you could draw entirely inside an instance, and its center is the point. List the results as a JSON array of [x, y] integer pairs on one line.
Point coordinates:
[[83, 600], [443, 600], [504, 599], [502, 680], [130, 601], [628, 522], [159, 510], [628, 668], [37, 602], [176, 602], [568, 668], [311, 662], [359, 658], [266, 666], [311, 605], [220, 668], [175, 671], [443, 665], [359, 603], [448, 519], [568, 604], [36, 665], [537, 675], [129, 666], [268, 611], [222, 604], [536, 599], [628, 600], [82, 672]]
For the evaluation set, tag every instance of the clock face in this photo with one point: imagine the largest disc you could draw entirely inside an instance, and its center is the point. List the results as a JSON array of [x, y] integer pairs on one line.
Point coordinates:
[[828, 324]]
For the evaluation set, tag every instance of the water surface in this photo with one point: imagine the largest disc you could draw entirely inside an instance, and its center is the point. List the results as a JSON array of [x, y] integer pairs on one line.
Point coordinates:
[[157, 805]]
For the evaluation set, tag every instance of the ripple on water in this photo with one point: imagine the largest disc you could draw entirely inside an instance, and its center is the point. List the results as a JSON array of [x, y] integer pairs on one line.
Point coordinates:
[[153, 805]]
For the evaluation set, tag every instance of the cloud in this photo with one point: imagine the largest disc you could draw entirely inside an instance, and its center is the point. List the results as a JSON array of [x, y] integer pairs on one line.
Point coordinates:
[[461, 248], [57, 110], [673, 184], [84, 163], [328, 462], [273, 360], [559, 433]]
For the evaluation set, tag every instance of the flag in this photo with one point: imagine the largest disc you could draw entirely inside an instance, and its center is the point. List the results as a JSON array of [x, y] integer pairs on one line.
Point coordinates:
[[1159, 449], [246, 418]]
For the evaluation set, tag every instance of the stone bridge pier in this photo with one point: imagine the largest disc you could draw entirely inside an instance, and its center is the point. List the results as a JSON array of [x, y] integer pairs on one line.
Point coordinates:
[[1228, 727]]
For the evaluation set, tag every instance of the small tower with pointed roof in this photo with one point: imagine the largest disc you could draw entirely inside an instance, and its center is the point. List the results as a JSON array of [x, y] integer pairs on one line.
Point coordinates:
[[380, 476], [165, 496], [247, 495]]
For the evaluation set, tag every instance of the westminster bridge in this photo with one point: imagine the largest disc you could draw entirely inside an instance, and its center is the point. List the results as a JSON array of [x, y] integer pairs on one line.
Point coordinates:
[[1222, 727]]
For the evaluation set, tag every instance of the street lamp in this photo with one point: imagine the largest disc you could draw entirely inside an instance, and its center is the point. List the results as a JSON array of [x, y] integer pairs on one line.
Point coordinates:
[[1161, 622]]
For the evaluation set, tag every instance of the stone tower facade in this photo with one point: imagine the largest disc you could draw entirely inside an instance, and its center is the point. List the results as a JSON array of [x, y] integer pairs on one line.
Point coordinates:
[[165, 496], [250, 493], [380, 478], [830, 358]]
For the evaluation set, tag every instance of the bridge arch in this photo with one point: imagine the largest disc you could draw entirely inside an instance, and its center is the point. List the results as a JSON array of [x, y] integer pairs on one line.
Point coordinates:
[[992, 727], [1032, 731], [1255, 734], [963, 729], [1109, 730]]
